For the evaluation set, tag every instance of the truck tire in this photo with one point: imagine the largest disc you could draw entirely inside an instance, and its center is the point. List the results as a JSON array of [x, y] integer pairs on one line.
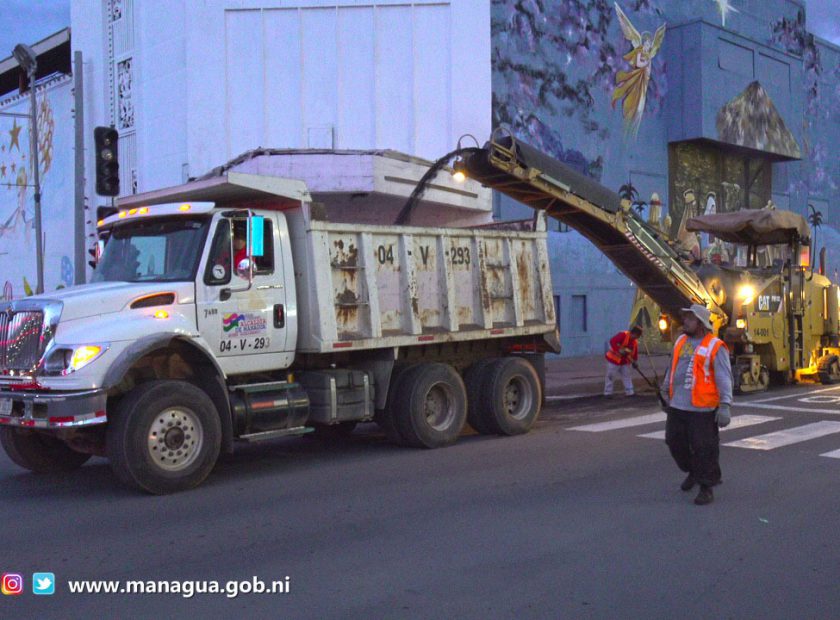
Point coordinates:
[[386, 417], [828, 368], [473, 380], [164, 437], [431, 406], [510, 398], [40, 452]]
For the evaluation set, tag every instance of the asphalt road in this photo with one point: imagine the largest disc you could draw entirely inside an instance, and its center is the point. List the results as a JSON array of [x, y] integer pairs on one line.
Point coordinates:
[[584, 523]]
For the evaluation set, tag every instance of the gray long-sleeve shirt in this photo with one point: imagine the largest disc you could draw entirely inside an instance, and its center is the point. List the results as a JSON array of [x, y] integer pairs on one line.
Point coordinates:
[[682, 393]]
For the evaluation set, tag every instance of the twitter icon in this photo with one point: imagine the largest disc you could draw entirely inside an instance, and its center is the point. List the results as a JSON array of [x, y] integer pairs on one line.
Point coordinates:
[[43, 583]]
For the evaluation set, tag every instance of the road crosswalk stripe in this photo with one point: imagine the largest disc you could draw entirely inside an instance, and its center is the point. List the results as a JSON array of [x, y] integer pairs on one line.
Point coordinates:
[[788, 396], [738, 421], [798, 409], [788, 436], [625, 423]]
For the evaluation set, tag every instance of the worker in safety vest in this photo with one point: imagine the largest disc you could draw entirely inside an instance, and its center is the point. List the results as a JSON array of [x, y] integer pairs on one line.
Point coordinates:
[[622, 353], [698, 388]]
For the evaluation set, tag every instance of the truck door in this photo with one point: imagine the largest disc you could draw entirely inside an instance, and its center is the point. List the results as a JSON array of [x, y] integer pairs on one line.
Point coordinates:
[[244, 323]]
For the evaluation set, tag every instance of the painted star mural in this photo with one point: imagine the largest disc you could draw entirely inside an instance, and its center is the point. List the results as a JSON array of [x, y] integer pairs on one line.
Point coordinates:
[[14, 132], [725, 8], [15, 171]]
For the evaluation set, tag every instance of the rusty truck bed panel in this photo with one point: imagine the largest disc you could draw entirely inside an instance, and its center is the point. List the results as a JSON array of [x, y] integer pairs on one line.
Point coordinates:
[[364, 286]]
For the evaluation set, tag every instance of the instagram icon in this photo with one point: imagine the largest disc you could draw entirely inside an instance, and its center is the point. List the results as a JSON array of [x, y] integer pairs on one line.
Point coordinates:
[[12, 584]]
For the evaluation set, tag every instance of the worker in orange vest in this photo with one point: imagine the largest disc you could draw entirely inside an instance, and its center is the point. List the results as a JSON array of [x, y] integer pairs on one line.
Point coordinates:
[[698, 386], [622, 353]]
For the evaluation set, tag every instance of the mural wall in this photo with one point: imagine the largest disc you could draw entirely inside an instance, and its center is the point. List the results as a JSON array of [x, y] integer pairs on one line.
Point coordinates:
[[18, 273], [622, 91]]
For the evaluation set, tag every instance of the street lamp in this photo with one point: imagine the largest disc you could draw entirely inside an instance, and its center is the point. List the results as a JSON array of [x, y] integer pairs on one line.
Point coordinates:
[[29, 62]]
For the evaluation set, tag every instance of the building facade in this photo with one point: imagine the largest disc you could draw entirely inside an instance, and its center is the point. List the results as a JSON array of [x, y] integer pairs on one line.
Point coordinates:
[[55, 149], [709, 104]]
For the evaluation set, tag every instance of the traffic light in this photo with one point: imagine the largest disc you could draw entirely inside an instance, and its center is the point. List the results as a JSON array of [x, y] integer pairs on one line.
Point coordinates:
[[107, 165]]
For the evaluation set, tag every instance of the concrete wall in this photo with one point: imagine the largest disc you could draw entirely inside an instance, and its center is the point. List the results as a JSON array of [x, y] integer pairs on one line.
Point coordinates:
[[212, 79], [556, 72], [18, 266]]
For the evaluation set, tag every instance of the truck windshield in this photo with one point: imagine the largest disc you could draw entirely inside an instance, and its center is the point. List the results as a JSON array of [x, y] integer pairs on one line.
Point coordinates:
[[160, 250]]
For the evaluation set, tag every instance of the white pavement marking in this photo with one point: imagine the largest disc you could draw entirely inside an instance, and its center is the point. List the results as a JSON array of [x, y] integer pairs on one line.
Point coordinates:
[[834, 454], [796, 409], [738, 421], [625, 423], [821, 399], [794, 395], [787, 437]]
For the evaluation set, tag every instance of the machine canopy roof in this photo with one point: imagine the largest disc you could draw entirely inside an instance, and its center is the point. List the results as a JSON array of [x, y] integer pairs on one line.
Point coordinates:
[[753, 226]]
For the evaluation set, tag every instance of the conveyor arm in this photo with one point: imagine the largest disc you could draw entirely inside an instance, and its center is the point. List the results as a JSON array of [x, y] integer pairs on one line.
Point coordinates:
[[544, 183]]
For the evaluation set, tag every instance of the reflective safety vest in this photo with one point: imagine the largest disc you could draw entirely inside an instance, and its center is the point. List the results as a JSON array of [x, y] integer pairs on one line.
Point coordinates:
[[614, 356], [704, 392]]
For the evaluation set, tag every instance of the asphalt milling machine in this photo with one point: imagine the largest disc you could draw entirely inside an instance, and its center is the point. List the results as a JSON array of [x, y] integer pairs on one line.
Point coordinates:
[[779, 317]]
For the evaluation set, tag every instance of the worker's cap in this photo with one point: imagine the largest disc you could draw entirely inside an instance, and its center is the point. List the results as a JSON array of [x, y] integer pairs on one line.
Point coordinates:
[[703, 314], [637, 329]]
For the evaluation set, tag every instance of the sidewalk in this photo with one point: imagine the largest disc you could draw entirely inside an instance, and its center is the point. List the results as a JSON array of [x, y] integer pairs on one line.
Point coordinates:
[[570, 377]]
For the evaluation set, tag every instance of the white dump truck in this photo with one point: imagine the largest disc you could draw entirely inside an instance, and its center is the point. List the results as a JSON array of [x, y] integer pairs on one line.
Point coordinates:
[[249, 317]]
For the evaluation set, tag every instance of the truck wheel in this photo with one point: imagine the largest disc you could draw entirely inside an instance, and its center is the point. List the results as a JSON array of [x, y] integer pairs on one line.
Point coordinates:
[[828, 368], [473, 380], [386, 417], [40, 452], [431, 406], [510, 396], [165, 437]]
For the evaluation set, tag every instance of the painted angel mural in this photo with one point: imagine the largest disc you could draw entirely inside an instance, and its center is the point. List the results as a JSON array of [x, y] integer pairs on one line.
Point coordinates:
[[631, 86]]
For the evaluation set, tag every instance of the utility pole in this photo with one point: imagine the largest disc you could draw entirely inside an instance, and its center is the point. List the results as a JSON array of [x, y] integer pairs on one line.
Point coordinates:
[[29, 62], [79, 104]]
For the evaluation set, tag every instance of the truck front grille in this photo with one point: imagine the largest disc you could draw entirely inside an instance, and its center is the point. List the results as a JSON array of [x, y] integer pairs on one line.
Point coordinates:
[[20, 340]]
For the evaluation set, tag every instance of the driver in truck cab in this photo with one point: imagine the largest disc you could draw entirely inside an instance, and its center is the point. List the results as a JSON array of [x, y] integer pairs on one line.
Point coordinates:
[[240, 252]]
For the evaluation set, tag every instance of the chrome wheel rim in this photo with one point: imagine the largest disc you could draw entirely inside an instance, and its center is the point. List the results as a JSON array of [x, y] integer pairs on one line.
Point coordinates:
[[175, 439]]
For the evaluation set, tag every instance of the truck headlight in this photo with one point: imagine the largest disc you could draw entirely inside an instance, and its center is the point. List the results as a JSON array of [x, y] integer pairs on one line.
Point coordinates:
[[741, 323], [746, 292], [66, 360]]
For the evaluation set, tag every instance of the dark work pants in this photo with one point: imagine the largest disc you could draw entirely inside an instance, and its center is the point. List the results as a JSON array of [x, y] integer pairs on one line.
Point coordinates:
[[693, 440]]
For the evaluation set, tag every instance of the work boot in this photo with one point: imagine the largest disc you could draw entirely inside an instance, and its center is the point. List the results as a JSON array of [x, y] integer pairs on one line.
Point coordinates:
[[705, 496], [688, 483]]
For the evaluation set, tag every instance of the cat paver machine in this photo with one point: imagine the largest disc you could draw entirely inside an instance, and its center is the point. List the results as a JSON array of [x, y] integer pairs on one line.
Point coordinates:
[[778, 317]]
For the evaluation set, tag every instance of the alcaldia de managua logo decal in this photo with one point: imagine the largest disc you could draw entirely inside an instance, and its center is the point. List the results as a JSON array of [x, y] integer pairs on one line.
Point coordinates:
[[236, 324]]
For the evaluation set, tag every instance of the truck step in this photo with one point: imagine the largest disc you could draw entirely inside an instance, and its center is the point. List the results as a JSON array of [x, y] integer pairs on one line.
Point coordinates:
[[283, 432]]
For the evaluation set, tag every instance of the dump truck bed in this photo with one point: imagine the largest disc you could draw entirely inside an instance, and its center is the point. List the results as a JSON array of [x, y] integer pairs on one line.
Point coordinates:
[[365, 286]]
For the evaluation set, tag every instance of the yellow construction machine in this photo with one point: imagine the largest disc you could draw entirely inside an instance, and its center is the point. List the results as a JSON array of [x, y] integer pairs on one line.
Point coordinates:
[[778, 316]]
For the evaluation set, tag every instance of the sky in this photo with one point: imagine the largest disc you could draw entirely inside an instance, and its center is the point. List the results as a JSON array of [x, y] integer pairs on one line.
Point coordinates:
[[29, 21]]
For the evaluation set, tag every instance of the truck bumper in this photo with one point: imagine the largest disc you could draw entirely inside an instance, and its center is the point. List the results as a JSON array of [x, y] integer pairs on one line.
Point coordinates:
[[52, 410]]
